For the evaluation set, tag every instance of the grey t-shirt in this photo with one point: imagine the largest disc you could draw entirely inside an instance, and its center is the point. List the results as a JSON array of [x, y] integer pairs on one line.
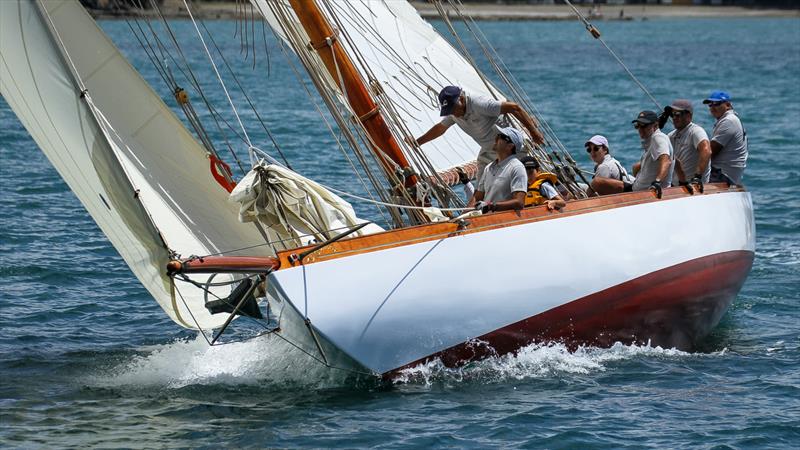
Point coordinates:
[[655, 146], [684, 143], [501, 179], [729, 133], [478, 122], [547, 190]]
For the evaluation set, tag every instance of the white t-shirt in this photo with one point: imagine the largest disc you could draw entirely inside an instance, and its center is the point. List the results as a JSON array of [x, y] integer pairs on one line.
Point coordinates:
[[478, 122], [684, 143], [729, 133], [501, 179], [611, 168], [654, 146]]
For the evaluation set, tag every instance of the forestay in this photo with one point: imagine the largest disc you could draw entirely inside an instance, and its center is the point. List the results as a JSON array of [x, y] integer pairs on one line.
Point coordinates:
[[120, 149], [409, 59]]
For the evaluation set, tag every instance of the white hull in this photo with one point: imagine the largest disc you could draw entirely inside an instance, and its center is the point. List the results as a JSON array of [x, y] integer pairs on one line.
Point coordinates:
[[390, 308]]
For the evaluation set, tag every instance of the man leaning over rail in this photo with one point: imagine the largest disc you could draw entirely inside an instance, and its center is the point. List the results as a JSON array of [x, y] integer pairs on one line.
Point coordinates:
[[477, 116], [504, 183]]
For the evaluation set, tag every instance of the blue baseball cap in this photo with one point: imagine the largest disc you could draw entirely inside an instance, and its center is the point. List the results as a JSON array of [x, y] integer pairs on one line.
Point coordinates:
[[514, 134], [448, 97], [717, 96]]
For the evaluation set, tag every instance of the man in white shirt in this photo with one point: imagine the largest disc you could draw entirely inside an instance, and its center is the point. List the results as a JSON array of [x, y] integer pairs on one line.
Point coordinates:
[[728, 140], [609, 175], [504, 183], [654, 169], [477, 116], [691, 146]]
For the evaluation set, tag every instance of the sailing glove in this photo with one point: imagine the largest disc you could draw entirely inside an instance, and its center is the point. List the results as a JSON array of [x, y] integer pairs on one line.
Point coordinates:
[[484, 207], [687, 185], [698, 180], [656, 186]]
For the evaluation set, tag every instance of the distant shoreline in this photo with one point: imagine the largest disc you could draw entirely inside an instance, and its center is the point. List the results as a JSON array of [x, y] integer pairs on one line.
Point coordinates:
[[492, 11]]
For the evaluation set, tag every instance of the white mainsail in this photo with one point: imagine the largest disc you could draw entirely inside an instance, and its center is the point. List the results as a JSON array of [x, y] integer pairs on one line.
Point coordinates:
[[141, 175], [409, 59]]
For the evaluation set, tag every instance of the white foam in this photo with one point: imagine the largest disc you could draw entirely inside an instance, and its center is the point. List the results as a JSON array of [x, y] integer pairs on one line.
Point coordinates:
[[536, 361], [266, 360]]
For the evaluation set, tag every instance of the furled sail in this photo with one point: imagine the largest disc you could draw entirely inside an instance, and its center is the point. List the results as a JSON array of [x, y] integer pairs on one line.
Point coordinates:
[[410, 60], [296, 210], [141, 175]]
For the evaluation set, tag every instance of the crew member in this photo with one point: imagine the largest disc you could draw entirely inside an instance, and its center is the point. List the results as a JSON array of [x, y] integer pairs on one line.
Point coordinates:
[[728, 140], [690, 144], [541, 186], [504, 183], [477, 116], [654, 169], [609, 175]]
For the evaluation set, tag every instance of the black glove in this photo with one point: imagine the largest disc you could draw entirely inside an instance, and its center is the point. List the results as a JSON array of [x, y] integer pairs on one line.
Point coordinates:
[[687, 185], [698, 180], [462, 176], [656, 186], [664, 117], [484, 207]]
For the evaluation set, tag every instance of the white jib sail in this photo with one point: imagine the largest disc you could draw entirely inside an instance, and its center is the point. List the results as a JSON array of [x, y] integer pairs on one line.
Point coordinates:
[[119, 140], [410, 60]]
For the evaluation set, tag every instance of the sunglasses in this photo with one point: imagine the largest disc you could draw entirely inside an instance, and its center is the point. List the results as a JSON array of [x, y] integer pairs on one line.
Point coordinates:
[[505, 138], [638, 125], [677, 114], [593, 148], [714, 104]]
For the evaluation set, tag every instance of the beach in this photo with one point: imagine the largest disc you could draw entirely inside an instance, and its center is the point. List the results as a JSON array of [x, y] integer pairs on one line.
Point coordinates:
[[494, 11]]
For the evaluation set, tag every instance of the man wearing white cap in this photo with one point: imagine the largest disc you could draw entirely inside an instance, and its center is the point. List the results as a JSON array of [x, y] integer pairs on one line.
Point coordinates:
[[609, 175], [477, 116], [504, 182], [690, 144]]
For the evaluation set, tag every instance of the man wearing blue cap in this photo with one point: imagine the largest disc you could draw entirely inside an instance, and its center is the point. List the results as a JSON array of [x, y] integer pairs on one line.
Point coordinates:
[[728, 140], [477, 117], [504, 182]]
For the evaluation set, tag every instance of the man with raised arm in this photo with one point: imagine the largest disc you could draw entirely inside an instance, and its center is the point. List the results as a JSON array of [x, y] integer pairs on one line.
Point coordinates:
[[690, 145], [504, 183], [477, 116], [728, 140]]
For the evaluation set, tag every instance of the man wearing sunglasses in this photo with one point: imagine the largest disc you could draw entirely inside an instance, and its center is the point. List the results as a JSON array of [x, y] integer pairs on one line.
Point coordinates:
[[728, 140], [504, 182], [477, 116], [654, 169], [690, 144], [609, 175]]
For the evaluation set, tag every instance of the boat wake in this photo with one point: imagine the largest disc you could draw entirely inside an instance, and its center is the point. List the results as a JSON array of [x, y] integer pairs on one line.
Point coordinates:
[[270, 363], [537, 361]]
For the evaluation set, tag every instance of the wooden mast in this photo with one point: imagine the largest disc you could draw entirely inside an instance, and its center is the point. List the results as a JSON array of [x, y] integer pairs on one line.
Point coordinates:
[[325, 41]]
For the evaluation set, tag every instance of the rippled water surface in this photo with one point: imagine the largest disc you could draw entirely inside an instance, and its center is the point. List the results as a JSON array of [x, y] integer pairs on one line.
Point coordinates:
[[87, 358]]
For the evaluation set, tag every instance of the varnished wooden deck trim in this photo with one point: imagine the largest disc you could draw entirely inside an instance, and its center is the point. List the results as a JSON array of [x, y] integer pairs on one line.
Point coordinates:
[[441, 230]]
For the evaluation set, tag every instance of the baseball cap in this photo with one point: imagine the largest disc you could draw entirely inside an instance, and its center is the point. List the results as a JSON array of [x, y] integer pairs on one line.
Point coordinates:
[[680, 104], [529, 162], [597, 140], [646, 118], [514, 134], [448, 97], [717, 96]]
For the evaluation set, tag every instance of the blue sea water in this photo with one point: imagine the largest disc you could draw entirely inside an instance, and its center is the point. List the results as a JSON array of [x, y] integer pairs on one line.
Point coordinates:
[[87, 358]]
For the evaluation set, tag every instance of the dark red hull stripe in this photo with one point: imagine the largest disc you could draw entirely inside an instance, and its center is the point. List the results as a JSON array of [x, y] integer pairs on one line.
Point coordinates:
[[673, 307]]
